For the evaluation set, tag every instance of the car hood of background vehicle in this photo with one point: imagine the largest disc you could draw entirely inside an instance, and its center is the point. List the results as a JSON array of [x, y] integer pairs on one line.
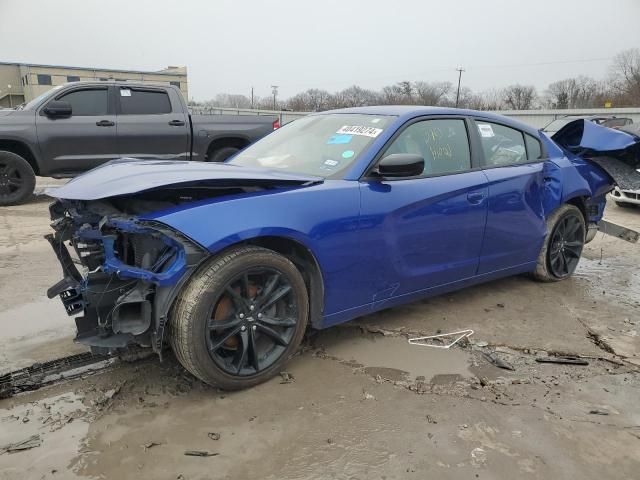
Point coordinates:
[[127, 176], [617, 152]]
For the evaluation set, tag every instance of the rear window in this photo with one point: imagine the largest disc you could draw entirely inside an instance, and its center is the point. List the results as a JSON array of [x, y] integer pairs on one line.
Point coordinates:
[[534, 151], [143, 102], [501, 145]]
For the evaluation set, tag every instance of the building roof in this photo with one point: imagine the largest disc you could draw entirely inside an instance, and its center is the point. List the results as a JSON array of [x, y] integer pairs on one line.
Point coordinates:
[[165, 71]]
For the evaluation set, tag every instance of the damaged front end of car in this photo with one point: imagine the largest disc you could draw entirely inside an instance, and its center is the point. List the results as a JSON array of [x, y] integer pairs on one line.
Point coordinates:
[[120, 273], [122, 270]]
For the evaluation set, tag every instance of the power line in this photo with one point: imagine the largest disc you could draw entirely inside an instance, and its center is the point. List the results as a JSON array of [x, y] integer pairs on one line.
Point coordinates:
[[468, 68]]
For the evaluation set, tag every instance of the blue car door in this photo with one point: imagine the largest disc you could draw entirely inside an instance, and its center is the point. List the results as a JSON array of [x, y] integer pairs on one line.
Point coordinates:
[[515, 219], [426, 231]]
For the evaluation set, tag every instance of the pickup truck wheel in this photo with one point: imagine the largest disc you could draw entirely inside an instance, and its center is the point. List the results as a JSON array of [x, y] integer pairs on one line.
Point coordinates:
[[240, 318], [563, 245], [221, 154], [17, 180]]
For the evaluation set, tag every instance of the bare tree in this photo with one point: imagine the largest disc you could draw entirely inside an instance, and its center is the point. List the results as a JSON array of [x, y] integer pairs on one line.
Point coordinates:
[[229, 101], [487, 100], [353, 96], [625, 77], [519, 97], [432, 93], [577, 92], [313, 100]]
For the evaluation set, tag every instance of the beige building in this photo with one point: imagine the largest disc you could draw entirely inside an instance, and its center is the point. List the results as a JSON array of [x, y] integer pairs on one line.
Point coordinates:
[[22, 82]]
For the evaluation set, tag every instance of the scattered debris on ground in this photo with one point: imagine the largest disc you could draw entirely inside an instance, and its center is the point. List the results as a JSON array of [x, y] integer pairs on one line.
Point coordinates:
[[26, 444], [200, 453]]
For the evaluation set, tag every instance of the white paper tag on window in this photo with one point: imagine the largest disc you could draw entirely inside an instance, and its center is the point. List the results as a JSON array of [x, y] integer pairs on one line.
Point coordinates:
[[485, 130], [125, 92], [360, 130]]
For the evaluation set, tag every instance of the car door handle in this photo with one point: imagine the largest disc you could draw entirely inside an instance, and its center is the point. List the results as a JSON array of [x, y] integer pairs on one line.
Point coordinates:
[[176, 123], [105, 123], [475, 198]]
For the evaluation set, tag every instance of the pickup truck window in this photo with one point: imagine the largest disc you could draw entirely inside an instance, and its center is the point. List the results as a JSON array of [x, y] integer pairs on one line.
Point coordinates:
[[88, 102], [143, 102]]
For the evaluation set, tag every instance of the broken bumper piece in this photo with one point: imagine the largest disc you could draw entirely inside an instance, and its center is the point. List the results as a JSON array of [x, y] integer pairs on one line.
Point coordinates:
[[122, 279]]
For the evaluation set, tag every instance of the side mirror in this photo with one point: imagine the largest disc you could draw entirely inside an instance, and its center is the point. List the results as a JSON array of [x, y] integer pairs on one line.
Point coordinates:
[[401, 165], [58, 108]]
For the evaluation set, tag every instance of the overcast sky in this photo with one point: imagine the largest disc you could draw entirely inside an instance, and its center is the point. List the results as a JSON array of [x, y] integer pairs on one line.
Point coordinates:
[[231, 45]]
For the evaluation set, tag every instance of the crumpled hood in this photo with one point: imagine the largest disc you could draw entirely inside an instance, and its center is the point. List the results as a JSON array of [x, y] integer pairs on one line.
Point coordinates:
[[616, 152], [127, 176]]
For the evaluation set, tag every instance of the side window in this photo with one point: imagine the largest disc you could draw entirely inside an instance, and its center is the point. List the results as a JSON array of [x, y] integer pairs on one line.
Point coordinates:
[[86, 103], [501, 145], [143, 102], [443, 144], [534, 151]]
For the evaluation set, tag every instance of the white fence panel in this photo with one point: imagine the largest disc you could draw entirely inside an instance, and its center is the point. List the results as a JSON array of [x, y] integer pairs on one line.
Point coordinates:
[[534, 118]]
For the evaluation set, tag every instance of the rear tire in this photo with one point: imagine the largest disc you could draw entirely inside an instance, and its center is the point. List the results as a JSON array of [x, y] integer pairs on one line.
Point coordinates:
[[240, 318], [221, 154], [17, 179], [563, 245]]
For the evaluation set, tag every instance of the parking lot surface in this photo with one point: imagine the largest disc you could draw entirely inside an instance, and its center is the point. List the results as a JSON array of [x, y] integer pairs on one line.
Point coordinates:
[[358, 401]]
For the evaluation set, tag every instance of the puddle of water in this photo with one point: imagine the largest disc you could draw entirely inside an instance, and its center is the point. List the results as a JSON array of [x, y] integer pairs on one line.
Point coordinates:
[[59, 423], [394, 357]]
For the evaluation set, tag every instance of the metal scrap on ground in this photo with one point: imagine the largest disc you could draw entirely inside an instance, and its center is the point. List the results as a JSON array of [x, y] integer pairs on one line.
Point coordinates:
[[458, 336], [618, 231], [563, 360], [199, 453]]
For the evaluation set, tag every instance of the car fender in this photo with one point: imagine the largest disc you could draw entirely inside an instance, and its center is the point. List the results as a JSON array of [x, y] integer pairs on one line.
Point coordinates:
[[322, 217]]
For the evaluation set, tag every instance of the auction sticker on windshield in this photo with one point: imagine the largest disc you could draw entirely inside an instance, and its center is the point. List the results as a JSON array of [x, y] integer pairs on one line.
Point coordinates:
[[360, 130]]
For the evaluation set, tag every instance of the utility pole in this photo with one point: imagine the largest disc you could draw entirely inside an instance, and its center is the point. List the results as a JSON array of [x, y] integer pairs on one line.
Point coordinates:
[[459, 70], [251, 98], [274, 90]]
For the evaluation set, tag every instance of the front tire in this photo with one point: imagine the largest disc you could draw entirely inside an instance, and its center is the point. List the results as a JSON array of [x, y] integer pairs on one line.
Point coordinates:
[[563, 245], [17, 179], [240, 318]]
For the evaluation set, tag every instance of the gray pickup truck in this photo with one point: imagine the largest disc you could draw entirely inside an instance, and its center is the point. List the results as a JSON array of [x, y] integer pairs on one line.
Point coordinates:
[[78, 126]]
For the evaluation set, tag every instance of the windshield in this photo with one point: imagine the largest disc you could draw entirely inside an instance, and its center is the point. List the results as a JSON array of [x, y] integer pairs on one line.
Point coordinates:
[[33, 103], [321, 145]]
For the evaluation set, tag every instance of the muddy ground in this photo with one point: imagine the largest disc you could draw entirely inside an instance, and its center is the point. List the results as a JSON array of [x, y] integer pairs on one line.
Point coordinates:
[[358, 401]]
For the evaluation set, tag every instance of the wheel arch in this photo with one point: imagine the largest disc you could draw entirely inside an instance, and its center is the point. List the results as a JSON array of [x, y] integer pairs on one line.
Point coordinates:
[[580, 201], [236, 141], [305, 261], [21, 149]]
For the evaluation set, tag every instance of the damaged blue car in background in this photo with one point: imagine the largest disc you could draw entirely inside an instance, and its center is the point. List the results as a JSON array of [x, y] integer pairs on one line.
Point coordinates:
[[334, 216]]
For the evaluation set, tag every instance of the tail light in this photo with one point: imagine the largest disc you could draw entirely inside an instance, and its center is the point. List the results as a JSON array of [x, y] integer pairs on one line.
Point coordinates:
[[276, 124]]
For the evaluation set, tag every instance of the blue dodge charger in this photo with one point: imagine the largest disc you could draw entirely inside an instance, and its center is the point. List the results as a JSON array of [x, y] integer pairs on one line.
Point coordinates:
[[334, 216]]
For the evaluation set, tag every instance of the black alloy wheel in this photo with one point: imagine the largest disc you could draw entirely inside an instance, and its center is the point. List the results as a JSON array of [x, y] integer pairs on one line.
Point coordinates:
[[253, 322], [567, 241]]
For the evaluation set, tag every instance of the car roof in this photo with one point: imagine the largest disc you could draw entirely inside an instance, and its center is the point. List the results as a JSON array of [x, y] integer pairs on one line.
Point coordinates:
[[407, 112]]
